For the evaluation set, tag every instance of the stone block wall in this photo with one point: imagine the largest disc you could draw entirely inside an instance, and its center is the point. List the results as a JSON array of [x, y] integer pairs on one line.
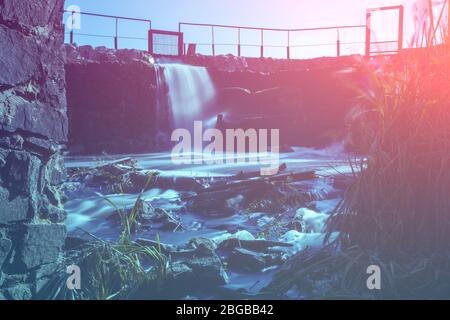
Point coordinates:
[[33, 125]]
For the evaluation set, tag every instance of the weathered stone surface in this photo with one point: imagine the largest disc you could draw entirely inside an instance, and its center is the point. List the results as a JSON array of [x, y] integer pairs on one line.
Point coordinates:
[[21, 61], [21, 173], [181, 274], [55, 172], [33, 122], [5, 247], [246, 260], [19, 292], [13, 209], [111, 101], [209, 270], [17, 113], [29, 14], [40, 244]]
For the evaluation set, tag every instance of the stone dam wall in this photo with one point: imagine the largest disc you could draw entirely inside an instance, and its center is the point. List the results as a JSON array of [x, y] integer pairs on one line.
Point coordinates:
[[114, 104]]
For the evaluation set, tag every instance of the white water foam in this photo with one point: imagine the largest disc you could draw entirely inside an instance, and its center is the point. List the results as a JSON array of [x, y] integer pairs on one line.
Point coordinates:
[[190, 91]]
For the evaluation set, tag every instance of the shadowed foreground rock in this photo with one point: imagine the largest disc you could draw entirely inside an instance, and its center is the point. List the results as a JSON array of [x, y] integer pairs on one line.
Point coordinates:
[[33, 123]]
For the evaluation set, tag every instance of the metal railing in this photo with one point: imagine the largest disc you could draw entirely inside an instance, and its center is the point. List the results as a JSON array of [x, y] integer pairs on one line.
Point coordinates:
[[116, 36], [288, 45]]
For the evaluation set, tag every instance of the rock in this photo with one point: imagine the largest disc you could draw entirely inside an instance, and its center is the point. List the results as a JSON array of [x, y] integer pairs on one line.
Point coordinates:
[[14, 141], [265, 221], [13, 209], [21, 173], [181, 274], [246, 260], [32, 14], [5, 247], [42, 147], [240, 235], [168, 220], [199, 255], [253, 245], [208, 270], [55, 172], [19, 292], [21, 61], [146, 212], [235, 202], [38, 244], [311, 221], [203, 246]]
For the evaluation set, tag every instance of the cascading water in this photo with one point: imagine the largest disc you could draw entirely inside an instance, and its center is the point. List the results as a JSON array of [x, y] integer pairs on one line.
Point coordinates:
[[189, 91]]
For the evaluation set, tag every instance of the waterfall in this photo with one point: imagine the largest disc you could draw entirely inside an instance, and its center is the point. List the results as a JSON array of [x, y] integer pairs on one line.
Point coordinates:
[[190, 90]]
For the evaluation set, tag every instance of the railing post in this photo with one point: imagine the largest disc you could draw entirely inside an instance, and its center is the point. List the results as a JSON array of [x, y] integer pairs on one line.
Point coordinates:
[[262, 43], [239, 42], [181, 50], [72, 26], [338, 48], [150, 42], [213, 41], [116, 38], [288, 52], [400, 29], [368, 41]]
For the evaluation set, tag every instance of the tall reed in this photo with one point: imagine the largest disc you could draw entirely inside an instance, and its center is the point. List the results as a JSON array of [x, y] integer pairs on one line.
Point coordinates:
[[400, 199]]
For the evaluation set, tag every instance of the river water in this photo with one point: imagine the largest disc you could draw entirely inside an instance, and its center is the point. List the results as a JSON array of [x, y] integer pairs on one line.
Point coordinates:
[[89, 211]]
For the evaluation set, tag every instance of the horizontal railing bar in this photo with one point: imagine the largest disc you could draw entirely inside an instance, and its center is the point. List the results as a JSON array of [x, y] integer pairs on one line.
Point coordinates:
[[92, 35], [384, 8], [108, 16], [276, 46], [105, 36], [267, 29], [327, 28], [390, 41]]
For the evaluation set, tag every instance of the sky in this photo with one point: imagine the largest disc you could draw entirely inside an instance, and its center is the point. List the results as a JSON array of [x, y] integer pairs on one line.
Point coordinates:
[[166, 14]]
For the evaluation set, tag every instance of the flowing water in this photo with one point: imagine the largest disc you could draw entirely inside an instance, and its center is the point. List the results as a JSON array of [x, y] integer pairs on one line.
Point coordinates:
[[89, 211], [190, 91]]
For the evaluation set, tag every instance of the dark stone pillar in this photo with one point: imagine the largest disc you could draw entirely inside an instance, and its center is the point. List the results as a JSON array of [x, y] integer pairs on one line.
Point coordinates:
[[33, 125]]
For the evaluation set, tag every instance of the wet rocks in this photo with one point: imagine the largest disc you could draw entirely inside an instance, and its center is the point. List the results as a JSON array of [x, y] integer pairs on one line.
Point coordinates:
[[19, 292], [245, 253], [125, 176], [156, 218], [112, 177], [181, 273], [251, 261], [194, 266]]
